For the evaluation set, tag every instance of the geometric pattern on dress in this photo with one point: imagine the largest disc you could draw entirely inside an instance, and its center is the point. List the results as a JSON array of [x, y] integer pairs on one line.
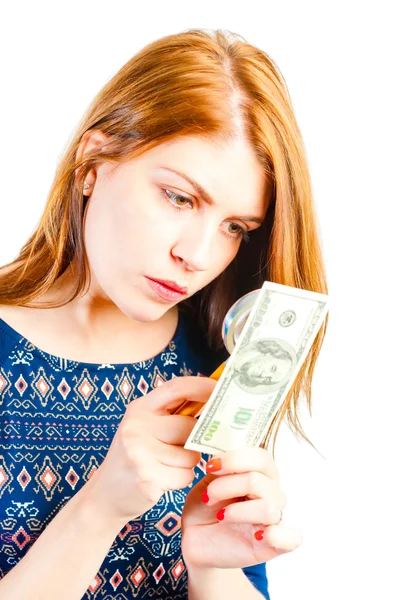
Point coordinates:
[[6, 476], [86, 388], [48, 478], [5, 384], [57, 421], [42, 386], [125, 386]]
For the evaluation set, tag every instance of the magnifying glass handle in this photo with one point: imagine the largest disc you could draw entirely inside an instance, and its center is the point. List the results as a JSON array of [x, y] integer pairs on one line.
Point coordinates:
[[193, 409]]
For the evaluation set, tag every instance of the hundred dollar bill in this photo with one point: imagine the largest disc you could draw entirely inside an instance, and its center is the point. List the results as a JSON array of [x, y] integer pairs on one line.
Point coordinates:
[[272, 347]]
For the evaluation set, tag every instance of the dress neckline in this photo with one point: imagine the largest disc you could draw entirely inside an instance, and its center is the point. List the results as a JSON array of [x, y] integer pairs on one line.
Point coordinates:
[[54, 359]]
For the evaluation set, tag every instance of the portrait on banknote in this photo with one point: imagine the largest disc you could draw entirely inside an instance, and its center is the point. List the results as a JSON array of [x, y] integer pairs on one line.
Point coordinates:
[[264, 365]]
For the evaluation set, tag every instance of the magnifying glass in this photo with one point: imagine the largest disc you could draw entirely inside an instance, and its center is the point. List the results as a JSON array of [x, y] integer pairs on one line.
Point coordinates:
[[232, 327]]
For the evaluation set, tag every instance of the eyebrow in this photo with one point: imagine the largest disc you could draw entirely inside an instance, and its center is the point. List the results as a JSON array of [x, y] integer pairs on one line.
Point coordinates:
[[206, 195]]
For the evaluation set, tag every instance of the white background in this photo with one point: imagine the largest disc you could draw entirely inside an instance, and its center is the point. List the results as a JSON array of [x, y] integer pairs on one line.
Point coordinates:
[[340, 63]]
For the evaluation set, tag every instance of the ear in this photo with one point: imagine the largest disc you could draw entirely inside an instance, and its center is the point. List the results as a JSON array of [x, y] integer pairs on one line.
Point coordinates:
[[91, 141]]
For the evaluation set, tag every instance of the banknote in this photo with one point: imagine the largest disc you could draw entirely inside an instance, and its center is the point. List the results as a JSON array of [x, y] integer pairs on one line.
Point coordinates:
[[258, 375]]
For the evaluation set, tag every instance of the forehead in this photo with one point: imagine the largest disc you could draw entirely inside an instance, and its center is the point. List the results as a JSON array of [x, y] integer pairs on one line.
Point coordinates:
[[230, 171]]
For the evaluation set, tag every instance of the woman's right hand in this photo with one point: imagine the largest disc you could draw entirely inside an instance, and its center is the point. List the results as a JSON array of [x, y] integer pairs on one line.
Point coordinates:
[[147, 455]]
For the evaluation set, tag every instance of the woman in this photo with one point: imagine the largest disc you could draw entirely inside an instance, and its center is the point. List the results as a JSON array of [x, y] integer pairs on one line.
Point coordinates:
[[114, 307]]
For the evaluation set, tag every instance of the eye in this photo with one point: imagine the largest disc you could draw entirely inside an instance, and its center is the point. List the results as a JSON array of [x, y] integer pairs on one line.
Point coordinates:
[[176, 200], [180, 202], [235, 231]]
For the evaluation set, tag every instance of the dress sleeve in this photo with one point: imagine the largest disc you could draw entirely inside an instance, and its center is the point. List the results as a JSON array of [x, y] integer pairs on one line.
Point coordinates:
[[257, 576]]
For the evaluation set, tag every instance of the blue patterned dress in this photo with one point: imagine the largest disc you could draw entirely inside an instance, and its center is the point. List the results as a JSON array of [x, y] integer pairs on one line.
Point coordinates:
[[57, 420]]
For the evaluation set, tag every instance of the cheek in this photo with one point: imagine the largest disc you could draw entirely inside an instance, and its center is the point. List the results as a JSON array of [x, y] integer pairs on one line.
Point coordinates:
[[224, 255], [111, 238]]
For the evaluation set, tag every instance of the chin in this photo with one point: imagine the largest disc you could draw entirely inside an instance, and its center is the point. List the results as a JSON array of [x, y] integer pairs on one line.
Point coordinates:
[[144, 312]]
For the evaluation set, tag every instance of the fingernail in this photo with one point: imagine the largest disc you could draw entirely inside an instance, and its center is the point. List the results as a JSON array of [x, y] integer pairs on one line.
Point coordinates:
[[220, 514], [205, 497], [259, 534], [214, 465]]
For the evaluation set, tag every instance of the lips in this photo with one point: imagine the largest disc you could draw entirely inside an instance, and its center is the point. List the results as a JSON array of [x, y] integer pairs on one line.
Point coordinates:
[[170, 284]]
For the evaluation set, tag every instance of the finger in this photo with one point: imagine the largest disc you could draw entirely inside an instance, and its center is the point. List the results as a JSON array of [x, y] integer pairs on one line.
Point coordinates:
[[172, 429], [279, 539], [255, 485], [243, 460], [172, 478], [175, 456], [168, 396], [194, 409], [251, 512]]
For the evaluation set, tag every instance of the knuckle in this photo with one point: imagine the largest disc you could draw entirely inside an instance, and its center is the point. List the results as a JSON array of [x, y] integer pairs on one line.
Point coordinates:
[[174, 386], [124, 431], [212, 491], [135, 454], [269, 464], [151, 491], [129, 430], [193, 458], [273, 514], [146, 480], [186, 477], [131, 407], [253, 482]]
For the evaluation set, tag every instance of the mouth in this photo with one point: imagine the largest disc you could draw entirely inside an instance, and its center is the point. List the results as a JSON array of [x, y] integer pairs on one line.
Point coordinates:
[[168, 290], [170, 284]]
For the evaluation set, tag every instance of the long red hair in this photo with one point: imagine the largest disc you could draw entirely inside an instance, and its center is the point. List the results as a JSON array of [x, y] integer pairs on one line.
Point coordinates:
[[193, 83]]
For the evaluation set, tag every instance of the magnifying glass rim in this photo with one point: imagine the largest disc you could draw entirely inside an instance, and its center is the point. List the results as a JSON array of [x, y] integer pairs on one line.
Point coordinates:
[[236, 317]]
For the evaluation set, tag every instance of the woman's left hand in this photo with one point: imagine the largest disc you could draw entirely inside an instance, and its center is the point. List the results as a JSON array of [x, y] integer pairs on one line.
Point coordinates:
[[244, 498]]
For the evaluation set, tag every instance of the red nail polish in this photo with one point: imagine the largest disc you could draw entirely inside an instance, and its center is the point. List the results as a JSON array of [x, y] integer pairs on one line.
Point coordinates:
[[205, 497], [259, 534], [214, 465], [220, 514]]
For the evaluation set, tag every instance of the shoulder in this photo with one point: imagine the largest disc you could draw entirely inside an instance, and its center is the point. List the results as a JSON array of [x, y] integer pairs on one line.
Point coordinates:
[[8, 339]]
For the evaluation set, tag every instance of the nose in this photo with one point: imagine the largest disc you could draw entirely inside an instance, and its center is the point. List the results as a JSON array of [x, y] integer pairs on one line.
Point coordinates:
[[194, 247]]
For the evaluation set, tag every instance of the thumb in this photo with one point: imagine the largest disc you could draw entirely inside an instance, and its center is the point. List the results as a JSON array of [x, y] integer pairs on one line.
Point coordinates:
[[280, 539]]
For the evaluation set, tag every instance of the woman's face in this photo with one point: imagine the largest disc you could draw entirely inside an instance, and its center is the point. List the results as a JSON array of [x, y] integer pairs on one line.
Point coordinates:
[[144, 222]]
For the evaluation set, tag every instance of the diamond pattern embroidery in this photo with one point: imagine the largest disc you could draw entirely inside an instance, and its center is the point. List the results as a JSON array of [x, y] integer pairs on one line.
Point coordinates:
[[169, 524], [143, 386], [64, 388], [116, 579], [21, 385], [48, 478], [125, 386], [138, 576], [24, 478], [107, 388], [86, 389], [178, 569], [72, 477], [159, 573], [21, 538], [42, 386], [96, 585]]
